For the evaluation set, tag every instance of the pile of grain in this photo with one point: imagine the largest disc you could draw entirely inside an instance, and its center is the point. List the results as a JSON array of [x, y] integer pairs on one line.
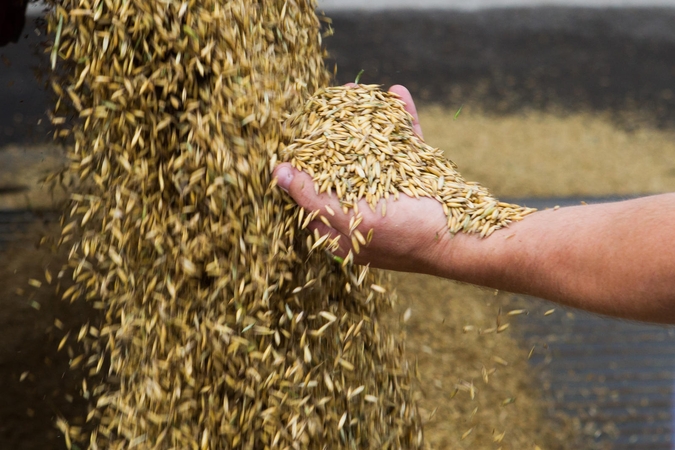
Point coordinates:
[[359, 142], [218, 328]]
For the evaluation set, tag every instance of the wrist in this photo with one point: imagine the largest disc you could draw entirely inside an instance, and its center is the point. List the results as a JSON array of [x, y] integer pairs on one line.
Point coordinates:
[[483, 261]]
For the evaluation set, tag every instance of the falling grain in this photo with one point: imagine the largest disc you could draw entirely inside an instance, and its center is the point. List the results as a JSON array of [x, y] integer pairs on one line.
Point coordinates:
[[221, 326]]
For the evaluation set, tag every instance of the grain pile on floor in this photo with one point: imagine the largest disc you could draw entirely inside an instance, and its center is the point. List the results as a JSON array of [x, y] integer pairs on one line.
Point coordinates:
[[219, 330]]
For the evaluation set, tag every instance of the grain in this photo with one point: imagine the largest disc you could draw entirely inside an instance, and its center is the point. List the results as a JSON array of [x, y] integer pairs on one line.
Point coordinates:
[[223, 323], [359, 142], [500, 360], [466, 433]]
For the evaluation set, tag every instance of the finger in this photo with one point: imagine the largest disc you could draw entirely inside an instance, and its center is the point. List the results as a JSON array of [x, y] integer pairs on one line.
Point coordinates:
[[300, 187], [406, 98]]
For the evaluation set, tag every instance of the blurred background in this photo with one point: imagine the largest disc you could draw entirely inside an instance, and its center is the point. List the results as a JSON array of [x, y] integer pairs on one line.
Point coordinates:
[[560, 102]]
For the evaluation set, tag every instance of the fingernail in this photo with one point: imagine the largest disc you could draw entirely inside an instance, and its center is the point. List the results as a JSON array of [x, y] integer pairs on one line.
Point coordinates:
[[284, 176]]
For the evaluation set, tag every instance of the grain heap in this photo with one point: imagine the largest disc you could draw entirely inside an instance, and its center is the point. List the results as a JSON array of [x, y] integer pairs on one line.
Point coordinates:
[[219, 328], [359, 142]]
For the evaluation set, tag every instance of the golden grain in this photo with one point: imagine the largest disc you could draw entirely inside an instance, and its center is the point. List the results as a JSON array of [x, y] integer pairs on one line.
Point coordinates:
[[220, 327], [371, 152], [500, 360], [466, 433], [502, 328]]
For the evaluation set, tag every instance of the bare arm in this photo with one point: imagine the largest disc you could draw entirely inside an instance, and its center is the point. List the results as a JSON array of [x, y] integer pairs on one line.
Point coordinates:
[[616, 259]]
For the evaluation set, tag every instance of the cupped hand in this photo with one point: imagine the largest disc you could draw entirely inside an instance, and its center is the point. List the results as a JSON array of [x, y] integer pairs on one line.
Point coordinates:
[[410, 237]]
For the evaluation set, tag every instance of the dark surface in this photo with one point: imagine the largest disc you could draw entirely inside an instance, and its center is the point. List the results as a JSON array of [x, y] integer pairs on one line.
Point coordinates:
[[37, 384], [12, 20], [23, 99], [13, 225], [616, 60], [566, 59], [615, 376]]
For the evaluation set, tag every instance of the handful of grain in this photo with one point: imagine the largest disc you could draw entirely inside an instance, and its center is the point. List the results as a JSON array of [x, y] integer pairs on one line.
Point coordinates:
[[359, 142]]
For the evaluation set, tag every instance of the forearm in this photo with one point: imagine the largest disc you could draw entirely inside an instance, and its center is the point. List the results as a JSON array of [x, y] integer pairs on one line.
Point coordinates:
[[616, 259]]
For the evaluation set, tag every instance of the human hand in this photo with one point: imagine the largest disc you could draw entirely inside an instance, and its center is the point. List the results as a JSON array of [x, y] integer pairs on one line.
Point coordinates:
[[410, 237]]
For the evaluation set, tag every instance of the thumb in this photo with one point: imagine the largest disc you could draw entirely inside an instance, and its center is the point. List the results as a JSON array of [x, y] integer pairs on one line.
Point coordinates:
[[284, 173], [300, 186]]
